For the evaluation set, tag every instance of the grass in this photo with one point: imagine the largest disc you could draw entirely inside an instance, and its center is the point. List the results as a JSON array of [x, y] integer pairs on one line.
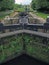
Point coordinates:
[[43, 15], [40, 14], [21, 9], [4, 13]]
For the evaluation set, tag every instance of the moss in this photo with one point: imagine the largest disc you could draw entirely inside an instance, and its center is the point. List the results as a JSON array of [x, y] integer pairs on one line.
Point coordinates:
[[11, 47], [34, 47]]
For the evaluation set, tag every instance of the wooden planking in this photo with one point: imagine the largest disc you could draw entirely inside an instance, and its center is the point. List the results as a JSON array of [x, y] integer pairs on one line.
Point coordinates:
[[39, 26], [41, 34], [10, 33], [14, 26], [36, 24], [46, 35]]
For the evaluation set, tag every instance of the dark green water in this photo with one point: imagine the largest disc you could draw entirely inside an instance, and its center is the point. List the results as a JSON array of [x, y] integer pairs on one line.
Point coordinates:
[[24, 60]]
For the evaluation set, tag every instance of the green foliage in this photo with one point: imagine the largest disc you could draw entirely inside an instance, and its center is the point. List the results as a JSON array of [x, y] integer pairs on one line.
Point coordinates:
[[40, 4], [18, 7], [4, 13], [6, 4], [11, 46], [43, 15], [34, 47]]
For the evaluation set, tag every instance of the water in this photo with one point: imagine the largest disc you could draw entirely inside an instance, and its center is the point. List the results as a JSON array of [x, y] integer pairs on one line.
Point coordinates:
[[24, 60]]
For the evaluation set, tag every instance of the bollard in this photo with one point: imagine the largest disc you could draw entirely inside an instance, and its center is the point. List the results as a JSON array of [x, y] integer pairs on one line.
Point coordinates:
[[46, 25], [47, 20]]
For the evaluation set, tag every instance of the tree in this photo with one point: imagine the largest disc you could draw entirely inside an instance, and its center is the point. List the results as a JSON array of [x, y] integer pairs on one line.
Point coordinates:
[[6, 4], [40, 4]]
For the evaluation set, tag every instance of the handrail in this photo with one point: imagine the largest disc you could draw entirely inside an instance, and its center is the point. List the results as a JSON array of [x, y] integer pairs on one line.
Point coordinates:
[[45, 35], [11, 26]]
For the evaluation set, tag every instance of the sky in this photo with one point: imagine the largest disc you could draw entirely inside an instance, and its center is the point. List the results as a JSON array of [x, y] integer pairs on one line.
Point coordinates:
[[23, 2]]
